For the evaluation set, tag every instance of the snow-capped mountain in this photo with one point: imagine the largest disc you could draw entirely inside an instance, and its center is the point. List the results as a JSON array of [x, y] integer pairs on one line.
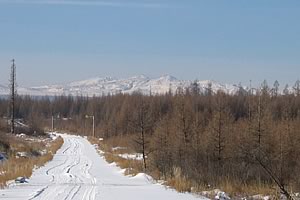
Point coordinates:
[[4, 90], [109, 85]]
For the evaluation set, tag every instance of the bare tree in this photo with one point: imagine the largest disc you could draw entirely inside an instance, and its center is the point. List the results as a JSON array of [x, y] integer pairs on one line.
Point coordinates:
[[142, 123], [219, 128], [264, 164], [275, 89], [297, 88]]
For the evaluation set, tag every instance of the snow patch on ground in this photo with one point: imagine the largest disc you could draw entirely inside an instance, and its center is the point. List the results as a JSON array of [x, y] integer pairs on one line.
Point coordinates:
[[118, 148], [218, 194], [136, 156], [261, 197]]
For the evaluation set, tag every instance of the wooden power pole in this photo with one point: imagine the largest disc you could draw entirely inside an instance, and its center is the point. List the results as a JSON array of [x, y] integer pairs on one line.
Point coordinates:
[[13, 96]]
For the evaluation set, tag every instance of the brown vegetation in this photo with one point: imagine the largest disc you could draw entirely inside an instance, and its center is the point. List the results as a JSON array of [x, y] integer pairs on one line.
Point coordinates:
[[17, 166], [243, 143], [111, 155]]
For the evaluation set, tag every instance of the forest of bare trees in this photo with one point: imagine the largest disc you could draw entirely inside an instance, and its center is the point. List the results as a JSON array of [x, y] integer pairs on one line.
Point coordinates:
[[249, 138]]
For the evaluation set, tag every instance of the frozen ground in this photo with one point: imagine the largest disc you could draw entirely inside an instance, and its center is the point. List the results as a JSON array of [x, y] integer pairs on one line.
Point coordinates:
[[78, 172]]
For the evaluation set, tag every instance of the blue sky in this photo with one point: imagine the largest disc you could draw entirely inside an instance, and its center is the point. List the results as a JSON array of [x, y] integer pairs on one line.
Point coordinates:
[[232, 41]]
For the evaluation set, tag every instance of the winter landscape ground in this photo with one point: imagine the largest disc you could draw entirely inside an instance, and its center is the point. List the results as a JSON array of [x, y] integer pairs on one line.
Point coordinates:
[[149, 100], [78, 172]]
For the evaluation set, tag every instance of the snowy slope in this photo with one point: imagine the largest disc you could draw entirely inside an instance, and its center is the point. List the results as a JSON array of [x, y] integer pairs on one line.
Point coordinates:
[[77, 172], [108, 85], [4, 90]]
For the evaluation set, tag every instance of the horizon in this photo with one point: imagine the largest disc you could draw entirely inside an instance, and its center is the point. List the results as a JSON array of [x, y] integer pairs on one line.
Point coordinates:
[[61, 41], [250, 82]]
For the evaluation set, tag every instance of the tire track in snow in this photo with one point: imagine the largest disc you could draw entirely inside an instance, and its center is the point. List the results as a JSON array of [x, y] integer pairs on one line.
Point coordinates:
[[47, 192], [77, 172], [66, 142], [71, 177]]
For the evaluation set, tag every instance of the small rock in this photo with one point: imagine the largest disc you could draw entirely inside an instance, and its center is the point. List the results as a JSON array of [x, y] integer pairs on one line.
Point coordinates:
[[21, 180], [22, 155], [3, 157]]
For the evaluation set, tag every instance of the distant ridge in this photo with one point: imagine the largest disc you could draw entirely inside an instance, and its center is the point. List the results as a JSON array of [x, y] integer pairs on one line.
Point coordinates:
[[4, 90], [108, 85]]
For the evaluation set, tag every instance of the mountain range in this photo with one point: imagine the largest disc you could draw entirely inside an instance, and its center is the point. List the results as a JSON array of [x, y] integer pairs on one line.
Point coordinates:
[[108, 85]]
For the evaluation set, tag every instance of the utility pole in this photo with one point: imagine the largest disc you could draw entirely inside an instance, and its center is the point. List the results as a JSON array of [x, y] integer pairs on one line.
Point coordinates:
[[93, 117], [13, 96], [94, 126], [52, 123], [54, 118]]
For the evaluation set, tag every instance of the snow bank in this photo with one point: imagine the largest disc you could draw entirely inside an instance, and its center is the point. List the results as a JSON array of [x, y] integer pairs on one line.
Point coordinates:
[[142, 177]]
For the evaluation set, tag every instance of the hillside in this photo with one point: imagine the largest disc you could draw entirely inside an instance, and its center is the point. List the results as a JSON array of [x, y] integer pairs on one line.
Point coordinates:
[[102, 86]]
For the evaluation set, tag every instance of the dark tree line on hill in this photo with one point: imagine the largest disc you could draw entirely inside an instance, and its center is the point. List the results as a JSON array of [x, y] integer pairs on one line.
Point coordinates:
[[252, 137]]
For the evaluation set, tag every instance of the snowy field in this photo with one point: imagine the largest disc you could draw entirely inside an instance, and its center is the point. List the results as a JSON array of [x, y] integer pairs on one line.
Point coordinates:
[[78, 172]]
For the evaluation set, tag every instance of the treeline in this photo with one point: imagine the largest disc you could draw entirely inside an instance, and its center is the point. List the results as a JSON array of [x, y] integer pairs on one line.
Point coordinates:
[[250, 138]]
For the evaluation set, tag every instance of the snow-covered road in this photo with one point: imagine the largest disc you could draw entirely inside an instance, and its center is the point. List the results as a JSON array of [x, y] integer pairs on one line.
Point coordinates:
[[77, 172]]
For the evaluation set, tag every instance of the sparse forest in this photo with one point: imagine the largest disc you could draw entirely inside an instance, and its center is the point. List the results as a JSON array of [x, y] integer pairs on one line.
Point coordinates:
[[213, 139]]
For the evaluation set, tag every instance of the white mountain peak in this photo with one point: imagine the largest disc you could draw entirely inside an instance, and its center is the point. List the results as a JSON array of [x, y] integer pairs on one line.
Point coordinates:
[[108, 85]]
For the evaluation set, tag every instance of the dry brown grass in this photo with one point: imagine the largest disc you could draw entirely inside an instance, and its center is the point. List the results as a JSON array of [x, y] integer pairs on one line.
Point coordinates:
[[23, 167], [234, 188], [133, 167], [178, 181], [118, 141]]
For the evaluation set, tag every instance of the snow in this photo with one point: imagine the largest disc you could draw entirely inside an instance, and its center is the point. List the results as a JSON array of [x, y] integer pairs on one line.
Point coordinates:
[[4, 90], [108, 85], [261, 197], [142, 177], [79, 172], [22, 155], [21, 180], [218, 194], [222, 196], [118, 148], [136, 156], [21, 135], [53, 135]]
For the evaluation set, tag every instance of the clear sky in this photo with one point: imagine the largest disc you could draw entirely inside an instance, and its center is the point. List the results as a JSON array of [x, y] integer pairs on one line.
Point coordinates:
[[232, 41]]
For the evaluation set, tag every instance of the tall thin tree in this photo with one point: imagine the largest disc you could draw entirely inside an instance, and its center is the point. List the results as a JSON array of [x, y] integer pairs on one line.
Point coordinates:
[[13, 96]]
